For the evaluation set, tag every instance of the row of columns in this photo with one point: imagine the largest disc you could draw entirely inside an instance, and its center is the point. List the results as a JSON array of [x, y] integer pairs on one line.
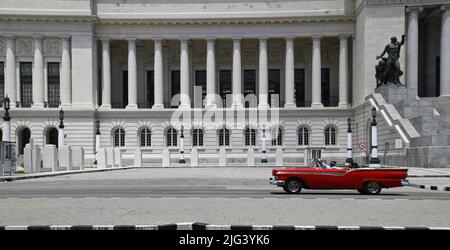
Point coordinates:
[[38, 71], [412, 76], [236, 73]]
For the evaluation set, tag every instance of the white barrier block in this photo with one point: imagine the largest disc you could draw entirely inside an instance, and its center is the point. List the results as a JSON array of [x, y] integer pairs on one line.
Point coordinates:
[[251, 157], [37, 159], [109, 157], [65, 158], [138, 157], [101, 158], [27, 164], [77, 158], [222, 157], [279, 160], [166, 158], [194, 157], [117, 157], [50, 157]]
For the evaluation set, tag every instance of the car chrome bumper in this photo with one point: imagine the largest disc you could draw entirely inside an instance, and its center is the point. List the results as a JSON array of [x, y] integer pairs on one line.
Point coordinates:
[[405, 182], [274, 181]]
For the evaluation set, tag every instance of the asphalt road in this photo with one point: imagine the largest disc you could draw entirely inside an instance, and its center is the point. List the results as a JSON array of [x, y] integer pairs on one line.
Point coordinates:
[[55, 187]]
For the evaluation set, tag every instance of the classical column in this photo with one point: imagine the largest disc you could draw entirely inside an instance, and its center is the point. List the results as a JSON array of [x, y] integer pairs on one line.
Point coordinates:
[[132, 75], [430, 59], [316, 74], [38, 73], [66, 73], [290, 74], [210, 74], [412, 76], [184, 74], [263, 74], [10, 70], [158, 75], [106, 74], [237, 72], [343, 72], [445, 51]]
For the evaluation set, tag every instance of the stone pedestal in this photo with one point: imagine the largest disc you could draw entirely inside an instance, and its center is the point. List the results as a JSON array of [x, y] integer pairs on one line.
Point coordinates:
[[65, 158], [77, 158]]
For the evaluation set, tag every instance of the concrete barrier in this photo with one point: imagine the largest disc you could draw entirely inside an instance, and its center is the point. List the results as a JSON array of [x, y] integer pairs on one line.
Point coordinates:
[[77, 158], [194, 157], [65, 157], [222, 157], [279, 158], [138, 157], [251, 157], [50, 157], [166, 158]]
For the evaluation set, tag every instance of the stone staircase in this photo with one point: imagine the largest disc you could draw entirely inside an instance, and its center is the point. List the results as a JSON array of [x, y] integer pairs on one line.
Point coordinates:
[[430, 117]]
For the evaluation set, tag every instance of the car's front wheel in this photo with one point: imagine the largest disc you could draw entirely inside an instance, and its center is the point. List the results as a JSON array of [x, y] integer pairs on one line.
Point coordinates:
[[372, 188], [293, 186]]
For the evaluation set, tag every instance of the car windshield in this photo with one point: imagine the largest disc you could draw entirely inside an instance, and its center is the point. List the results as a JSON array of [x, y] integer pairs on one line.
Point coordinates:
[[318, 163]]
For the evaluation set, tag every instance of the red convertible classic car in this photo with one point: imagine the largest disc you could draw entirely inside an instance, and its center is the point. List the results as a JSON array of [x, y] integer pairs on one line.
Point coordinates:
[[320, 176]]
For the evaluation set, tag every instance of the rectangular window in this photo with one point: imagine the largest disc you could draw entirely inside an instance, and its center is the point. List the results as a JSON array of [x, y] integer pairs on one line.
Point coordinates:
[[250, 87], [274, 87], [2, 82], [53, 84], [175, 84], [326, 96], [200, 82], [150, 89], [26, 84], [124, 89], [299, 79], [225, 85]]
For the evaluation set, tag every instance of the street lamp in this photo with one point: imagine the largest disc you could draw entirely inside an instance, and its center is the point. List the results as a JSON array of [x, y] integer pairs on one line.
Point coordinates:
[[349, 160], [61, 128], [264, 157], [97, 140], [6, 120], [182, 145], [374, 161]]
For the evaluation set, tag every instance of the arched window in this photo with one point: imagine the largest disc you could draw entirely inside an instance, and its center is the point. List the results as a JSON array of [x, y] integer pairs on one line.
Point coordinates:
[[145, 138], [224, 137], [250, 137], [303, 136], [171, 137], [330, 136], [277, 137], [52, 136], [119, 137], [24, 139], [197, 138]]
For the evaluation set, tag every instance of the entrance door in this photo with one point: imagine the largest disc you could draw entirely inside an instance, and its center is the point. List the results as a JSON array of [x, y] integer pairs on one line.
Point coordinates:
[[274, 87], [326, 97], [250, 88]]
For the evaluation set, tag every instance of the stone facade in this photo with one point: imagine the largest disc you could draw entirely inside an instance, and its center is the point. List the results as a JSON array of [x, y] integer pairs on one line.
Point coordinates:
[[105, 51]]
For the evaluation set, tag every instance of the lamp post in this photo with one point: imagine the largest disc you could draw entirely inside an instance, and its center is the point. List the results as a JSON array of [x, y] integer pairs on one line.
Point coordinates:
[[263, 138], [182, 145], [97, 140], [61, 128], [349, 160], [374, 161], [6, 120]]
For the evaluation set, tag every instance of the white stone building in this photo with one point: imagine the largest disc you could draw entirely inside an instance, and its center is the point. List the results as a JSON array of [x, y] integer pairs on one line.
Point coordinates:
[[120, 62]]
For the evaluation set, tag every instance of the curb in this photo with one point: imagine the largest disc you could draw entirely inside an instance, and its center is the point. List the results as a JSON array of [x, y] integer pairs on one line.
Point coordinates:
[[428, 187], [51, 174], [203, 226]]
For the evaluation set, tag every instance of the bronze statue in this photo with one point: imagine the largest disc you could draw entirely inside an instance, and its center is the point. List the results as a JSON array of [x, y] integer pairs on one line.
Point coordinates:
[[388, 69]]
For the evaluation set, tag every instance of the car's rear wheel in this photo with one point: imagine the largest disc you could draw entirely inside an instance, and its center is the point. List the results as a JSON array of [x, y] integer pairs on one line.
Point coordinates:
[[293, 186], [372, 188]]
